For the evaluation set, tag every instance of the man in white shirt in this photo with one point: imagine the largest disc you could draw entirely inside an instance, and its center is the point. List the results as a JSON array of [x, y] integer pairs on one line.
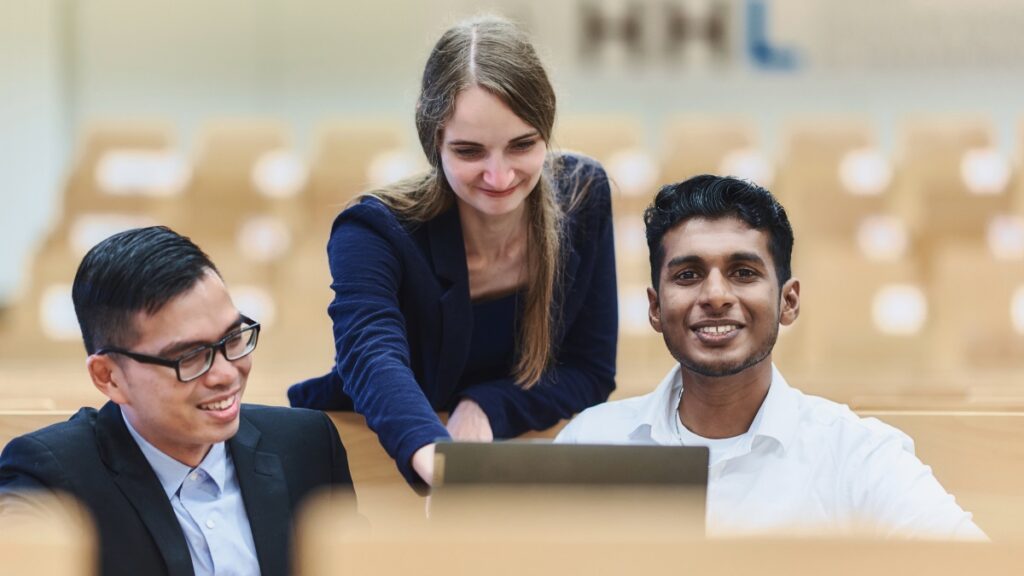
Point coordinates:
[[781, 461]]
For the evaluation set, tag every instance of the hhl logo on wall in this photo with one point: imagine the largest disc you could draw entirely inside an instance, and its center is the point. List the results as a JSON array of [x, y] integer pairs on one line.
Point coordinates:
[[710, 33]]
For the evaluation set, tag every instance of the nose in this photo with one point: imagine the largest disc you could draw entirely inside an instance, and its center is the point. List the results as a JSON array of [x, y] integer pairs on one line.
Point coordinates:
[[223, 371], [498, 173], [716, 293]]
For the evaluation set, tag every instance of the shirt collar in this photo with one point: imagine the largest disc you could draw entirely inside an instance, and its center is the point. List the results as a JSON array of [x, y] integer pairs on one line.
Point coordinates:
[[776, 418], [172, 473], [658, 410]]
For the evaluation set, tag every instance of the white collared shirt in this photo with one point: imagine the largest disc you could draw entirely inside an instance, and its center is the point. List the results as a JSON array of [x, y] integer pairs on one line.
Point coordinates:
[[807, 465], [207, 502]]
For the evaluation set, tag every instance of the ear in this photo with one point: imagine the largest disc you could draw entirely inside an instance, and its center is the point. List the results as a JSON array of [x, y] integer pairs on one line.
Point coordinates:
[[653, 310], [789, 302], [107, 377]]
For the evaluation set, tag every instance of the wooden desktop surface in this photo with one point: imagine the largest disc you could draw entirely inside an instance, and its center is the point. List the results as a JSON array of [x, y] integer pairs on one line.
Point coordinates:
[[977, 456]]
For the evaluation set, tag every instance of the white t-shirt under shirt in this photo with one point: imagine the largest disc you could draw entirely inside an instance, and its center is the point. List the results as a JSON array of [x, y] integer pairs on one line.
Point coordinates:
[[718, 448], [807, 465]]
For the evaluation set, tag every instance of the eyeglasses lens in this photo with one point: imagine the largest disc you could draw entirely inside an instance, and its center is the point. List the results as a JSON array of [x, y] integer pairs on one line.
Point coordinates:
[[195, 364]]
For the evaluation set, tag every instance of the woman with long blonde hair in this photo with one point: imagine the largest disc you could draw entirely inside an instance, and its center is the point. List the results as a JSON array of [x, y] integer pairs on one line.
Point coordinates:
[[485, 287]]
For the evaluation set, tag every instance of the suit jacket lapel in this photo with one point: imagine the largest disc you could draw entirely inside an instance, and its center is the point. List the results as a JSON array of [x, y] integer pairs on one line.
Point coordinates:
[[139, 484], [449, 258], [265, 492]]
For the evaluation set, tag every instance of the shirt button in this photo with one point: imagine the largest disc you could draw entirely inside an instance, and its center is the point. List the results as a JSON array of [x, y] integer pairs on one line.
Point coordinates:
[[210, 524], [193, 476]]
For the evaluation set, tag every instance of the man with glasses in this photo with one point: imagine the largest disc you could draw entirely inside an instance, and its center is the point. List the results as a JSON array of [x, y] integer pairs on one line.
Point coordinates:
[[180, 477]]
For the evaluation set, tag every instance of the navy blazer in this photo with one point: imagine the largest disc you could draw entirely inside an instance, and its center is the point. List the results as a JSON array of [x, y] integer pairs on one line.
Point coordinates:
[[403, 323], [280, 456]]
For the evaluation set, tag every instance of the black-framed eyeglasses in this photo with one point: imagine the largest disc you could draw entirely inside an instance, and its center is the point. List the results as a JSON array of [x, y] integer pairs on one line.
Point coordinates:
[[196, 362]]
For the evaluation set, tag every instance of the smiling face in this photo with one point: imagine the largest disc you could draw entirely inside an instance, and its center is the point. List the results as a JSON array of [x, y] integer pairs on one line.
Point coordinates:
[[491, 158], [719, 305], [182, 419]]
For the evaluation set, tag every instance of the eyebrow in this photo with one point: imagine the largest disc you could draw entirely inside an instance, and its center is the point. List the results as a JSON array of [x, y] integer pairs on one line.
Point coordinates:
[[747, 257], [526, 136], [532, 134], [733, 258], [180, 347]]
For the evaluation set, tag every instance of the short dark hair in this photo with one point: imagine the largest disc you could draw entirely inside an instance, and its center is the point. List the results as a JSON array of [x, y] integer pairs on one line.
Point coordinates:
[[132, 271], [714, 197]]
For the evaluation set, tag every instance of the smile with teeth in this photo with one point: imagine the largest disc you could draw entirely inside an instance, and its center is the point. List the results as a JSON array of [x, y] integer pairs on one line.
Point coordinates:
[[717, 330], [222, 405]]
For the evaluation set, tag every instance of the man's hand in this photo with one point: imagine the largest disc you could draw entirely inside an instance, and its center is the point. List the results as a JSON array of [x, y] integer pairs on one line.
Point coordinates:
[[423, 463], [469, 422]]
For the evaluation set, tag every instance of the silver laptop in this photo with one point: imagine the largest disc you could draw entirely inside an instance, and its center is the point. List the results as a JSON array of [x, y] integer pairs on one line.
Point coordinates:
[[612, 488], [541, 462]]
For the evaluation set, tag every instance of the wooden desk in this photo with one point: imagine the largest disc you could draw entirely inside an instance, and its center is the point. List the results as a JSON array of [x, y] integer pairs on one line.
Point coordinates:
[[977, 456], [328, 543]]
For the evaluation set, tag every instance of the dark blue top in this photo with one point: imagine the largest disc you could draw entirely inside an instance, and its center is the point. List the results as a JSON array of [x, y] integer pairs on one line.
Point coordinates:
[[403, 323], [493, 340]]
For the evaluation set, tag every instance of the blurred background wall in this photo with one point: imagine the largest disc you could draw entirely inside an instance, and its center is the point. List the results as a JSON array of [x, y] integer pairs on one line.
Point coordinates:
[[64, 62]]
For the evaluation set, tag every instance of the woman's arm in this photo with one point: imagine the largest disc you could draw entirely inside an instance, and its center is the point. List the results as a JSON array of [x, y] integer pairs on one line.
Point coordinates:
[[373, 359]]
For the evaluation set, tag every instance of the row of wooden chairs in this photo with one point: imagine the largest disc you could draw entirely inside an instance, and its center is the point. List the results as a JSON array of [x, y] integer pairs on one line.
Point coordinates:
[[270, 247], [866, 327], [948, 177]]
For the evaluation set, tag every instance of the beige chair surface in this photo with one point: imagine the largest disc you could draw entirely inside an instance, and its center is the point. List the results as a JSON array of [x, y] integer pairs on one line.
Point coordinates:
[[697, 144], [843, 351], [343, 161], [974, 301], [931, 191], [82, 192], [222, 194], [818, 203], [598, 136]]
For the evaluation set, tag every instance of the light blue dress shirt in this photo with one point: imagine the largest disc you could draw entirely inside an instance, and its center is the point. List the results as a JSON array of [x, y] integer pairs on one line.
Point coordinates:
[[208, 504]]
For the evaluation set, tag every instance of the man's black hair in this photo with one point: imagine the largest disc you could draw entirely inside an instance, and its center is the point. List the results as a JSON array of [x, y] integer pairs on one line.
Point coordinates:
[[136, 270], [714, 197]]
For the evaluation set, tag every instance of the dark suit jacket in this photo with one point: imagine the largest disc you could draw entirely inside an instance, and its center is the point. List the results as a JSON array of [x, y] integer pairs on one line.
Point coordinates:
[[403, 323], [280, 455]]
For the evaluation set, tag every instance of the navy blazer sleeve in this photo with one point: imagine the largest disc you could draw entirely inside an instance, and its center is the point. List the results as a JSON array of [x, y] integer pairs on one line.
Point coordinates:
[[583, 371], [27, 465], [373, 359]]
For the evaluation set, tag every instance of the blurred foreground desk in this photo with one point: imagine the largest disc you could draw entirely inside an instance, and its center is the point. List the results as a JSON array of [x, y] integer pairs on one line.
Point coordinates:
[[602, 539], [55, 537]]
